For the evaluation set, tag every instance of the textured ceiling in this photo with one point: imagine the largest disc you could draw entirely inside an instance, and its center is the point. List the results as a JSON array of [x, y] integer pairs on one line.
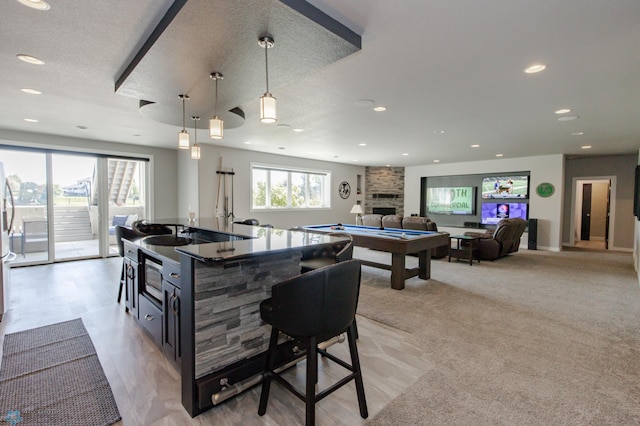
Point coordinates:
[[204, 36], [436, 65]]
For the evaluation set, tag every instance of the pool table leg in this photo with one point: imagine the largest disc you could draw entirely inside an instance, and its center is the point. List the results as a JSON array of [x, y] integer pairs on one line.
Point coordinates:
[[424, 264], [397, 271]]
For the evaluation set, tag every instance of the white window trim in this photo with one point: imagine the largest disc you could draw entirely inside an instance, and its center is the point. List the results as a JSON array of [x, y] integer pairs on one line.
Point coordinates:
[[275, 167]]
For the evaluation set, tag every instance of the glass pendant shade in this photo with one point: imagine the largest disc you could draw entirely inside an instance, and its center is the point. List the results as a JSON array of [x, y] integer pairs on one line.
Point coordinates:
[[216, 128], [183, 136], [268, 109], [195, 151], [183, 139], [216, 124]]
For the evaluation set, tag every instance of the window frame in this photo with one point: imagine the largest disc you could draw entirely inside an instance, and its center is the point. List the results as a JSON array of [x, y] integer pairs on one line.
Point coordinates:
[[326, 187]]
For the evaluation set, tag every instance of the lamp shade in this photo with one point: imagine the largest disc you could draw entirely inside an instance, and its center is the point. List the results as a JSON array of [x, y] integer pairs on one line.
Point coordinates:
[[268, 109], [357, 209], [183, 139], [216, 128], [195, 152]]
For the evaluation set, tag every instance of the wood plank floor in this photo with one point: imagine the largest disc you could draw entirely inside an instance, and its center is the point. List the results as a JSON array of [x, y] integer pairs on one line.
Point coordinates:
[[147, 388]]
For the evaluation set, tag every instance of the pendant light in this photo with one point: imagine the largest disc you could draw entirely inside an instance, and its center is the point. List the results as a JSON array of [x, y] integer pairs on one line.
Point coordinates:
[[183, 136], [195, 149], [267, 101], [216, 125]]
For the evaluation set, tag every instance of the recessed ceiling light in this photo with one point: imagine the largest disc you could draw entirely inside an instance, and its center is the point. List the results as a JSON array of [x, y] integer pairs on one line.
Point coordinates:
[[36, 4], [362, 144], [577, 133], [387, 165], [586, 147], [438, 132], [499, 155], [475, 145], [30, 59], [137, 134], [31, 120], [380, 109], [436, 161], [405, 153], [31, 91], [247, 143], [568, 118], [355, 160], [535, 68], [563, 111], [364, 102], [281, 147], [297, 129], [84, 128], [335, 156], [283, 126]]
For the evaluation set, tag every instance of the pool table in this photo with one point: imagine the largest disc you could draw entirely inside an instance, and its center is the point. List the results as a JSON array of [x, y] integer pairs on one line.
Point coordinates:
[[398, 242]]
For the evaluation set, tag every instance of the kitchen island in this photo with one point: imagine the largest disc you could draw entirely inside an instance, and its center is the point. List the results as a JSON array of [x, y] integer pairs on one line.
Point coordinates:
[[206, 316]]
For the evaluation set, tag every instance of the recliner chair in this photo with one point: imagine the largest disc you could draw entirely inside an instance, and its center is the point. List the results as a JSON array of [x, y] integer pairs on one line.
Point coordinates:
[[503, 240]]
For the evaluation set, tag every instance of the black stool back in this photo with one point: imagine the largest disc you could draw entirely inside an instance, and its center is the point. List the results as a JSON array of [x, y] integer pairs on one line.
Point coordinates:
[[312, 308]]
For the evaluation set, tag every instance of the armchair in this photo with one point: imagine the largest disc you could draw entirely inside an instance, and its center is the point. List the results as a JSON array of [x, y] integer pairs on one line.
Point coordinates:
[[504, 240]]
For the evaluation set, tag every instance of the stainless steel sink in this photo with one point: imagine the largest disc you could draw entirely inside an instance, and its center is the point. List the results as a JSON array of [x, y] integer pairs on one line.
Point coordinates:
[[167, 240]]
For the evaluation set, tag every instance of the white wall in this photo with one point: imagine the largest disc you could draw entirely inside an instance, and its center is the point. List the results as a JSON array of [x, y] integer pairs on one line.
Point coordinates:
[[239, 161], [188, 184], [548, 168]]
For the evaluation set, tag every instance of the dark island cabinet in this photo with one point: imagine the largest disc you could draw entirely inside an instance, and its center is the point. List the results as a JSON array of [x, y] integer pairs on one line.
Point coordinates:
[[131, 278], [171, 323]]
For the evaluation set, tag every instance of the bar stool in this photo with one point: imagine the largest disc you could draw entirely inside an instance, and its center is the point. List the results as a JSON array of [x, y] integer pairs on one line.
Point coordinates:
[[316, 259], [313, 308]]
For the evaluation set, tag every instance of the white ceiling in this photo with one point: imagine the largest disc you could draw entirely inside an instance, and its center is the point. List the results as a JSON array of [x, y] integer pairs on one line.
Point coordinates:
[[454, 65]]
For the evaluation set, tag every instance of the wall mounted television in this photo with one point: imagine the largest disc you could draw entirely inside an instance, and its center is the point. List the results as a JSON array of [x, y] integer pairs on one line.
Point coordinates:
[[452, 200], [505, 186], [492, 213]]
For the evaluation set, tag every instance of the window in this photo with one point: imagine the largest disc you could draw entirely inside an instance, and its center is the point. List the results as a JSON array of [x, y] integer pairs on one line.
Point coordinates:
[[274, 187]]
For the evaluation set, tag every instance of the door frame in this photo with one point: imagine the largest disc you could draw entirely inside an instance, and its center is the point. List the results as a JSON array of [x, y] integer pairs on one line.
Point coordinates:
[[575, 209]]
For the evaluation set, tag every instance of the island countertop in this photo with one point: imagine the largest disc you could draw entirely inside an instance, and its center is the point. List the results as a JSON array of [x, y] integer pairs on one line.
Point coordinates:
[[246, 240]]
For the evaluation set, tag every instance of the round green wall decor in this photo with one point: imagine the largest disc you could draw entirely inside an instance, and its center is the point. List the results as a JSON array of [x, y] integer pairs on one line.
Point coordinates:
[[545, 189]]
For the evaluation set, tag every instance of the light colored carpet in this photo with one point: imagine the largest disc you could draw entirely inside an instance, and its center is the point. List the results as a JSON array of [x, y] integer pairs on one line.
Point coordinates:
[[536, 338]]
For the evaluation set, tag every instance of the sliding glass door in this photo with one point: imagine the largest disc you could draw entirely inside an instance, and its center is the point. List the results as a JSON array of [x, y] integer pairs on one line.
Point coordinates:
[[67, 205], [27, 175], [73, 209]]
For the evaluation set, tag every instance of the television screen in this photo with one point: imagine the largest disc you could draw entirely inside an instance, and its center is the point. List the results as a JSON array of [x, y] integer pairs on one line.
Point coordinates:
[[493, 212], [451, 200], [506, 186]]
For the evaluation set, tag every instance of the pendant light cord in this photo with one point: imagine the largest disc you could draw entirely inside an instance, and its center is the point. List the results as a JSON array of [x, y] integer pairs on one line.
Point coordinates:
[[266, 63], [215, 105], [184, 116]]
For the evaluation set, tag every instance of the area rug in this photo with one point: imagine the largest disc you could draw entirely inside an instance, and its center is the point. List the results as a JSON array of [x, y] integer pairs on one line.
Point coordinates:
[[52, 376]]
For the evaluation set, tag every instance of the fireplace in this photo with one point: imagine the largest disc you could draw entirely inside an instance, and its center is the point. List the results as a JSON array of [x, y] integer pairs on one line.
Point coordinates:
[[384, 210]]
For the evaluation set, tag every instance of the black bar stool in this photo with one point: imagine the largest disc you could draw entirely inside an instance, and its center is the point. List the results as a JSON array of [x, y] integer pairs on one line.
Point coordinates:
[[313, 308]]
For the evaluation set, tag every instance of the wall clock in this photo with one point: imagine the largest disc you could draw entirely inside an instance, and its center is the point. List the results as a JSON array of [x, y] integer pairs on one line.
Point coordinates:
[[344, 190], [545, 190]]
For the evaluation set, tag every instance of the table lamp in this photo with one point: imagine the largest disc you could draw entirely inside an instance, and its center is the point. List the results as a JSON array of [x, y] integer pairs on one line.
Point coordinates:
[[357, 210]]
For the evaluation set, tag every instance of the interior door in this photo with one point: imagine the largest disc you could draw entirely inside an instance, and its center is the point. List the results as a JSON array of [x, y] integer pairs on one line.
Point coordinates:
[[585, 232]]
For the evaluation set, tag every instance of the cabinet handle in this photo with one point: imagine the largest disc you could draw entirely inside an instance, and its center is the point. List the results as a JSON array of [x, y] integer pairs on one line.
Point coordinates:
[[149, 317], [174, 275]]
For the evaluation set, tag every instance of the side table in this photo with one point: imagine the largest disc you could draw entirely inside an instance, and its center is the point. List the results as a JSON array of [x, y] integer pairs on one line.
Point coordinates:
[[467, 251]]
